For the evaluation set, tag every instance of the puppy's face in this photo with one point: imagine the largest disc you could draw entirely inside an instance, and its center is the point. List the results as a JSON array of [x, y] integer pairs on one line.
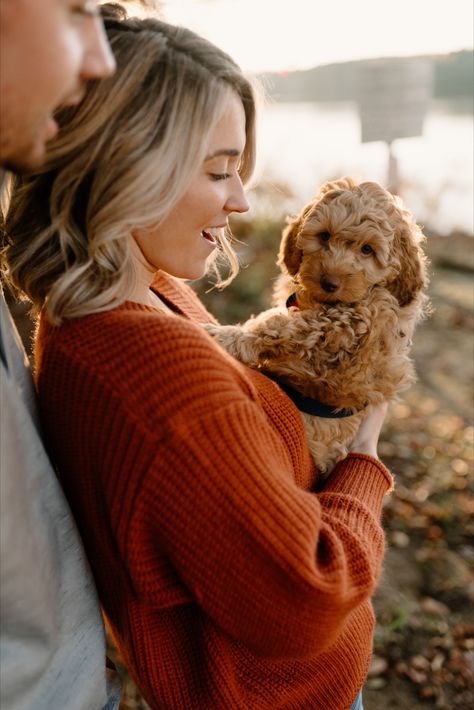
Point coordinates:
[[345, 242]]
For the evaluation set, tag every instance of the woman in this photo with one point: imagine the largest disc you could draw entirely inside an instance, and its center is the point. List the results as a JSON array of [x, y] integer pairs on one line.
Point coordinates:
[[229, 579]]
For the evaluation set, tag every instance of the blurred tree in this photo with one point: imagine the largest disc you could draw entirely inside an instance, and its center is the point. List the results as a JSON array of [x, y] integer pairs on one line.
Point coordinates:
[[455, 75]]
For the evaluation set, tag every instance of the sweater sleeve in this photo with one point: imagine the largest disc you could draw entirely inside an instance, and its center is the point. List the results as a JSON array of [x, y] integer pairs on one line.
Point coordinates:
[[277, 567]]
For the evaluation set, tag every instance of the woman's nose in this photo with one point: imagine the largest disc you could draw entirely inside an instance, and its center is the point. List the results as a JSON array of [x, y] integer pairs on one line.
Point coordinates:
[[237, 201]]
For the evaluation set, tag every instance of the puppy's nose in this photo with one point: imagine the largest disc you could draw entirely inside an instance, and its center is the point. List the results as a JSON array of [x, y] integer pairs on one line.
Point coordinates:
[[329, 283]]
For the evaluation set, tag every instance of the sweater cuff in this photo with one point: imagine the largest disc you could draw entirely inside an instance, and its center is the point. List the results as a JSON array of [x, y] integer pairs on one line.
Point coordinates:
[[361, 476]]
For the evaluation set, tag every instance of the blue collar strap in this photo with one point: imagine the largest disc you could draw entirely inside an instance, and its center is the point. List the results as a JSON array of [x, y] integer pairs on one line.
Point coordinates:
[[310, 405]]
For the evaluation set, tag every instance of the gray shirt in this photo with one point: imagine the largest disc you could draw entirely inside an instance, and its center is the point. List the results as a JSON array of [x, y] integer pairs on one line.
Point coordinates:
[[52, 645]]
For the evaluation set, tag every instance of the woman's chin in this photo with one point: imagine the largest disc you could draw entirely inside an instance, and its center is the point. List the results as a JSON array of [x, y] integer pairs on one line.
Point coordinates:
[[194, 273]]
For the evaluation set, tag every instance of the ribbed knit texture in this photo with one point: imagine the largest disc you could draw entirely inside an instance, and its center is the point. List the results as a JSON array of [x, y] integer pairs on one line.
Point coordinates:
[[228, 583]]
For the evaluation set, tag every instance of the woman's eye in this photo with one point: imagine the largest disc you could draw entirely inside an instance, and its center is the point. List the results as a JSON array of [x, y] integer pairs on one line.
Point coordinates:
[[367, 249], [324, 236], [219, 176]]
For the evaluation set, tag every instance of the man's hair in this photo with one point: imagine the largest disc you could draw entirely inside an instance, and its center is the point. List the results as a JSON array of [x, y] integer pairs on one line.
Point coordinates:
[[121, 161]]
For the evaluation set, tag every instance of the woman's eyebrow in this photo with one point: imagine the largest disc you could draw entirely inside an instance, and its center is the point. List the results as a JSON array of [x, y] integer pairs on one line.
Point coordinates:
[[231, 152]]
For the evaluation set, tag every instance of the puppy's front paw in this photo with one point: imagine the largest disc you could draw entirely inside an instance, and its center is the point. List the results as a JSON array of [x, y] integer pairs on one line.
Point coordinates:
[[212, 328], [237, 342], [226, 335]]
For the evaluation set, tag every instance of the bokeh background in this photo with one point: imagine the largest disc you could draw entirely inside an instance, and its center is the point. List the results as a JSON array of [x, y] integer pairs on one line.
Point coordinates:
[[313, 60]]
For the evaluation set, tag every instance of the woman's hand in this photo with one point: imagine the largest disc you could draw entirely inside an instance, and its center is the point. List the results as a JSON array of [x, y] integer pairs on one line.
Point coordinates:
[[366, 439]]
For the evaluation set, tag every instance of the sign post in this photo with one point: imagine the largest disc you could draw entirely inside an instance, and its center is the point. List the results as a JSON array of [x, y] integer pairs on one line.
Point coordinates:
[[394, 96]]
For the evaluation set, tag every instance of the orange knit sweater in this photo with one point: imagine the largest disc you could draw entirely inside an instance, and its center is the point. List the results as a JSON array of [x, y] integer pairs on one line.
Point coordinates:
[[227, 582]]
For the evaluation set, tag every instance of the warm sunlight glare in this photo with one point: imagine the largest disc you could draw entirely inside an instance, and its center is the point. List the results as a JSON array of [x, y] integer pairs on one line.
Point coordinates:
[[276, 35]]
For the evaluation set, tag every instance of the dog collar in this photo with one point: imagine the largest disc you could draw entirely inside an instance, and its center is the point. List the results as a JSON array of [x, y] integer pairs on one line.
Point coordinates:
[[308, 405], [292, 302]]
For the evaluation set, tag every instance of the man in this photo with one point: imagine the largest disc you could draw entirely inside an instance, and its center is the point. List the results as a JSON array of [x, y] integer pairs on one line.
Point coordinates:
[[48, 49], [52, 648]]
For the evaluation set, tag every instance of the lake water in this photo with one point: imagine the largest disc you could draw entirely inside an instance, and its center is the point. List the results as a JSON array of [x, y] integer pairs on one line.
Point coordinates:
[[304, 144]]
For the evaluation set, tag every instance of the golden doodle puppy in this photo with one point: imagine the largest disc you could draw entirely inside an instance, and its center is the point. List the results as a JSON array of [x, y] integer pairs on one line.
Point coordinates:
[[338, 337]]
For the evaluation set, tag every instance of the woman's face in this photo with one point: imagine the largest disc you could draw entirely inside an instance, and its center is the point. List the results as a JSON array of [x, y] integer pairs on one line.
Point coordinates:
[[183, 242]]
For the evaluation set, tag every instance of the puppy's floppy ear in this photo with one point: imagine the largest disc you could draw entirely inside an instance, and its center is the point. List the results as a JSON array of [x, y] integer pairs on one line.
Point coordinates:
[[289, 256], [411, 275]]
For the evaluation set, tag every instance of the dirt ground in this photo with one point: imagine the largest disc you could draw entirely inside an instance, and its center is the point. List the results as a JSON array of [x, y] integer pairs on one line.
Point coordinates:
[[424, 646]]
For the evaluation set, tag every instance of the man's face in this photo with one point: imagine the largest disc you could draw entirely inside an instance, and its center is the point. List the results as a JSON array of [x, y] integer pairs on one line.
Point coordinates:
[[48, 49]]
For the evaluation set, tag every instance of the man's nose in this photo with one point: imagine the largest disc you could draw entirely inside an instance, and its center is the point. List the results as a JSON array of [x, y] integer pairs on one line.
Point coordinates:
[[99, 61]]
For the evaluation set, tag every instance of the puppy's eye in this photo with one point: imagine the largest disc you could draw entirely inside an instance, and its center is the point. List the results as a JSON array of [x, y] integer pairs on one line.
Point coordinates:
[[324, 236], [367, 249]]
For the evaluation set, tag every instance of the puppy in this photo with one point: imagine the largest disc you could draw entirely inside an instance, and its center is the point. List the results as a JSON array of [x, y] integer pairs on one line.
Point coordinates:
[[338, 337]]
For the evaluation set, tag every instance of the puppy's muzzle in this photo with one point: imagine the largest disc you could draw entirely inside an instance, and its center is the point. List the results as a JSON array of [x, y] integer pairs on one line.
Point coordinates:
[[329, 283]]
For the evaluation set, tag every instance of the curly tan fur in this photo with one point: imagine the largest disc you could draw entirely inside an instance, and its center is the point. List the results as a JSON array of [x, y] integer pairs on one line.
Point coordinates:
[[353, 258]]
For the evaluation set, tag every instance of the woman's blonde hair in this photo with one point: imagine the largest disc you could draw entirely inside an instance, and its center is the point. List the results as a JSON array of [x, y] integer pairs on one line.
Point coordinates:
[[122, 159]]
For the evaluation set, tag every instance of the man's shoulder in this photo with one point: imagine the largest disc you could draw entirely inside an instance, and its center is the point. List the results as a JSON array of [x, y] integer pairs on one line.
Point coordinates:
[[50, 617]]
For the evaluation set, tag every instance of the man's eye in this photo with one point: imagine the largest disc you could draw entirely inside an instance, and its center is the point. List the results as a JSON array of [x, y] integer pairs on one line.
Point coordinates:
[[367, 249], [219, 176], [324, 236]]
